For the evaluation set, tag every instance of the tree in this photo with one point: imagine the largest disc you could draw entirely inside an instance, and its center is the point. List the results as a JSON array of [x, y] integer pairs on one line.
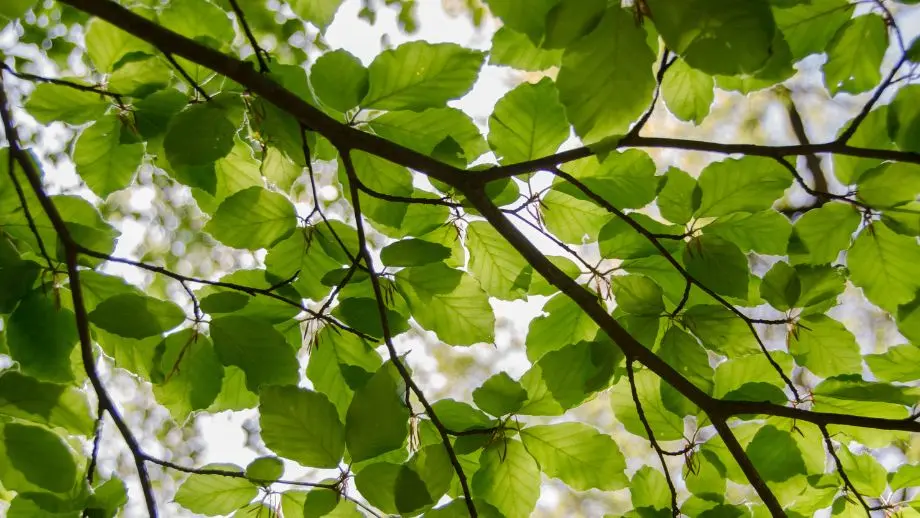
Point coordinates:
[[711, 314]]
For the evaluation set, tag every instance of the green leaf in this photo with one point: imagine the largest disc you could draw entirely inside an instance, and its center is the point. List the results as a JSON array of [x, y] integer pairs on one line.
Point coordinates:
[[717, 36], [419, 75], [749, 184], [108, 46], [564, 323], [819, 235], [886, 265], [50, 404], [413, 252], [606, 79], [257, 348], [425, 130], [684, 353], [526, 16], [198, 19], [864, 471], [720, 330], [191, 374], [378, 420], [825, 347], [649, 489], [339, 364], [363, 314], [500, 395], [667, 425], [775, 454], [40, 337], [301, 425], [569, 218], [679, 197], [514, 49], [872, 133], [15, 9], [781, 286], [687, 92], [577, 454], [448, 302], [765, 232], [809, 27], [50, 102], [501, 271], [136, 316], [625, 179], [102, 161], [854, 56], [198, 136], [528, 122], [459, 416], [718, 264], [898, 363], [41, 456], [384, 177], [575, 372], [908, 475], [508, 478], [215, 495], [875, 186], [619, 240], [339, 80], [903, 128], [265, 468], [317, 12], [253, 218], [637, 295], [570, 20]]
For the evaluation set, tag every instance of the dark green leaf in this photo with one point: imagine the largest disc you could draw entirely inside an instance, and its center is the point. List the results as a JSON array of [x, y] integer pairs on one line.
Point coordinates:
[[377, 420], [500, 395], [40, 337], [255, 347], [718, 264], [136, 316], [301, 425]]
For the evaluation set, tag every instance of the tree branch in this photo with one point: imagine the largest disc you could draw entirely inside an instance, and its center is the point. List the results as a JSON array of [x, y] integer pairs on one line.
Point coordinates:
[[600, 200], [842, 472], [345, 154], [79, 308], [675, 509], [741, 457]]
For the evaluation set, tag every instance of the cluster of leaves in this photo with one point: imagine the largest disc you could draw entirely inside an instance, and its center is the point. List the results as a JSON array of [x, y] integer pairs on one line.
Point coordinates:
[[662, 325]]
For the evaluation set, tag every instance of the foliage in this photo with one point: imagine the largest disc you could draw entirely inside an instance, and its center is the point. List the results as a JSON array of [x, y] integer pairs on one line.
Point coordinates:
[[709, 311]]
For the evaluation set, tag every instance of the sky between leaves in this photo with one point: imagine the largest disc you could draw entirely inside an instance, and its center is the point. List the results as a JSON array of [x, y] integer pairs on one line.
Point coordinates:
[[305, 240]]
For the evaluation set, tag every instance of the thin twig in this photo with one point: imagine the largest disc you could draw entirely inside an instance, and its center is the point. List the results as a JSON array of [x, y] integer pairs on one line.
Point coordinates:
[[675, 509], [842, 472], [63, 82], [263, 66], [600, 200], [659, 79], [345, 155], [185, 75]]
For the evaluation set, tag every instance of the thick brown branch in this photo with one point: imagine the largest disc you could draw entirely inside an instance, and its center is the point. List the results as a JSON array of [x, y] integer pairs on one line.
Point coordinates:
[[741, 457]]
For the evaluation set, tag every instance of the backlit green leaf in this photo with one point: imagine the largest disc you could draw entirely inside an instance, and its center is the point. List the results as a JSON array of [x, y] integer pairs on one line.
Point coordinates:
[[854, 56], [749, 184], [377, 420], [253, 218], [528, 123], [419, 75], [508, 478], [301, 425], [215, 495], [606, 79]]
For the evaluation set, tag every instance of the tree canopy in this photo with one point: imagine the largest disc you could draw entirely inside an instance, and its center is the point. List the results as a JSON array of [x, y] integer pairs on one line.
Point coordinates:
[[727, 313]]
